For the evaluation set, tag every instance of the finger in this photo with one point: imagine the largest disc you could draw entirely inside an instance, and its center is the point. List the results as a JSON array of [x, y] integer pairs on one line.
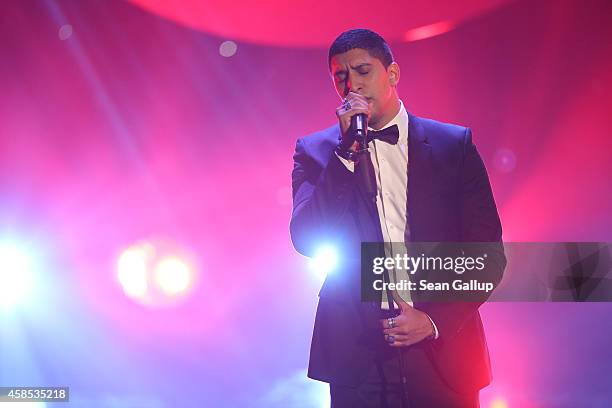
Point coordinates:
[[356, 100], [399, 341], [354, 96], [396, 331], [390, 339], [398, 337], [356, 110], [397, 321], [352, 110], [357, 104], [385, 323], [403, 330], [346, 117], [402, 342]]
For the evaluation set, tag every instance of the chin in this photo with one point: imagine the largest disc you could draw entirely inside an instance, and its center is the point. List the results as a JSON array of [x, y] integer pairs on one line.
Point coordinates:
[[374, 120]]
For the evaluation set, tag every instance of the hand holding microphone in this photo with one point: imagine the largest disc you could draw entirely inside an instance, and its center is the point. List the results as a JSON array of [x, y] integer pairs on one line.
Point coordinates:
[[352, 116]]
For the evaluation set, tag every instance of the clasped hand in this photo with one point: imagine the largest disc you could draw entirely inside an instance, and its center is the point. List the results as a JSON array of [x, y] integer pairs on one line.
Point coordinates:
[[411, 327]]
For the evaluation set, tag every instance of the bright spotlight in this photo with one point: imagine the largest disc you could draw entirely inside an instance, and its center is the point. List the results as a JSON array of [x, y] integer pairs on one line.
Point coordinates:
[[228, 48], [132, 270], [325, 260], [173, 275], [16, 275], [499, 403], [156, 272]]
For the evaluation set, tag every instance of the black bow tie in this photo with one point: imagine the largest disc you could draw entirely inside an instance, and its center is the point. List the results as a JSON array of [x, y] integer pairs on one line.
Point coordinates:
[[389, 135]]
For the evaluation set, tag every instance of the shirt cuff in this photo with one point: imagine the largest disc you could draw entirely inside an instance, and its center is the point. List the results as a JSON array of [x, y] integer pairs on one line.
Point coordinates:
[[347, 163], [436, 332]]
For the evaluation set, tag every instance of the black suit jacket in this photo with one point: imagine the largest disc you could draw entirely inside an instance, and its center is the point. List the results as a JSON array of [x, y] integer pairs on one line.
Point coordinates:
[[449, 200]]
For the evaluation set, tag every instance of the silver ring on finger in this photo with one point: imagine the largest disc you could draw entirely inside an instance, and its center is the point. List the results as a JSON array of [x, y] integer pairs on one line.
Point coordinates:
[[391, 322], [390, 339], [347, 105]]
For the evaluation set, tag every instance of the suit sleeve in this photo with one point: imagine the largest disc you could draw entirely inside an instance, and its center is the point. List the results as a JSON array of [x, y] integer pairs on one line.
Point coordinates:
[[321, 195], [479, 223]]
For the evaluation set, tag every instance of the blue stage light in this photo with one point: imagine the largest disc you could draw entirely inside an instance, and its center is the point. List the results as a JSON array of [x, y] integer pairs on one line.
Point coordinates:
[[325, 260]]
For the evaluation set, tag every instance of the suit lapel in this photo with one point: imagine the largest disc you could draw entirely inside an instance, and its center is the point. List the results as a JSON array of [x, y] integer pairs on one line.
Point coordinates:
[[419, 175]]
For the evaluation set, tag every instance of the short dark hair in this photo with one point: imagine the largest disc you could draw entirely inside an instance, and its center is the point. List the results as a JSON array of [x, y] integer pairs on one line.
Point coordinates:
[[365, 39]]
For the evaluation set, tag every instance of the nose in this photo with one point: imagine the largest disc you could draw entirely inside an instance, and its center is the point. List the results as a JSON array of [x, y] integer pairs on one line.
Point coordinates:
[[353, 84]]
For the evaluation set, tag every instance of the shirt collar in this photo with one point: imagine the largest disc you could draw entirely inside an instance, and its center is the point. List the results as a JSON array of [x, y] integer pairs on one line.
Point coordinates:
[[401, 120]]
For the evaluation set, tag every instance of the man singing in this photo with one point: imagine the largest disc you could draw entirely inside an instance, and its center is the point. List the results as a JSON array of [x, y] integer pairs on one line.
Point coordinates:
[[430, 186]]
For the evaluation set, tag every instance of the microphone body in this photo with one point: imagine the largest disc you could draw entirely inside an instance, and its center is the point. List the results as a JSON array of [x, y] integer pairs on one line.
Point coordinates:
[[359, 126]]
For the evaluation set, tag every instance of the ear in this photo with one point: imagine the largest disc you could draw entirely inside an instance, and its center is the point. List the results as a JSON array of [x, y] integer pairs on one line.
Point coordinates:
[[393, 70]]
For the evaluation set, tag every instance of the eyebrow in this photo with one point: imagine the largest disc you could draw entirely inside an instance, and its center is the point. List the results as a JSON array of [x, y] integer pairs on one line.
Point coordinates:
[[362, 65]]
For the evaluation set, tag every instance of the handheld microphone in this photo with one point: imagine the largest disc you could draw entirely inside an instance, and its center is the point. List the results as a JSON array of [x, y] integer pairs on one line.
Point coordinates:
[[359, 125]]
